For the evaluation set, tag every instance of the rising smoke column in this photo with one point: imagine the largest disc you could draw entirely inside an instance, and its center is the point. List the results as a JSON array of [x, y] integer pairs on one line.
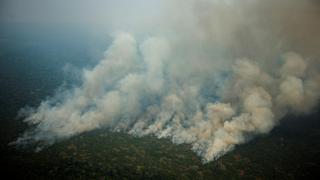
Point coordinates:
[[217, 74]]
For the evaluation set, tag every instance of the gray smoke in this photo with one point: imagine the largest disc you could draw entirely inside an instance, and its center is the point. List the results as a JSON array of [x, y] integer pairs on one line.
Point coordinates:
[[215, 74]]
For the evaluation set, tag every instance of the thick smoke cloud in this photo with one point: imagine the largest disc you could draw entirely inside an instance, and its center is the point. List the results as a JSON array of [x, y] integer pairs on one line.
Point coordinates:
[[215, 75]]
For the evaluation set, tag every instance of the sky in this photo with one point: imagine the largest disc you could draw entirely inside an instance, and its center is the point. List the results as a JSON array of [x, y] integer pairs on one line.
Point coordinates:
[[78, 11]]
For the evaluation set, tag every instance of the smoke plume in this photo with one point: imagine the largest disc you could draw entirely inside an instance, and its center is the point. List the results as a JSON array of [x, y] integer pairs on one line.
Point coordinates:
[[215, 74]]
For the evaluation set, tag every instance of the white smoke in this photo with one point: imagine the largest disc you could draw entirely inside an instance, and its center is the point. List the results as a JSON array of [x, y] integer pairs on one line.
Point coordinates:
[[217, 74]]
